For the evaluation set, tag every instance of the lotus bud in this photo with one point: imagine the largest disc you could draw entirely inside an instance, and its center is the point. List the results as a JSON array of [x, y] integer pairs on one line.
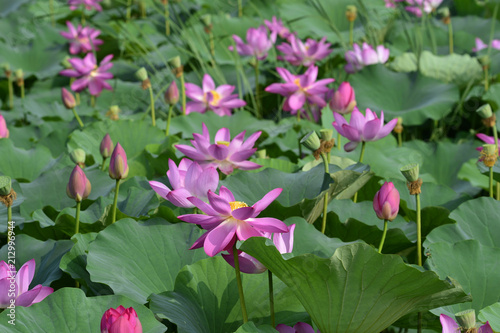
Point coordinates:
[[5, 185], [6, 69], [344, 99], [4, 131], [386, 202], [106, 146], [68, 99], [351, 13], [113, 112], [261, 153], [120, 320], [399, 126], [78, 186], [466, 319], [19, 77], [118, 167], [175, 62], [78, 157], [411, 172], [311, 141], [326, 134], [172, 94]]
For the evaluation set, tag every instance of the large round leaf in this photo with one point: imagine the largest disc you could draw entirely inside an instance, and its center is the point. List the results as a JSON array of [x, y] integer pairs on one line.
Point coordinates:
[[492, 315]]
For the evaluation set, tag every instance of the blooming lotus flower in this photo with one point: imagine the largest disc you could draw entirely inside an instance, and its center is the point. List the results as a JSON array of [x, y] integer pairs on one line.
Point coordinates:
[[106, 146], [4, 131], [343, 100], [89, 74], [358, 58], [118, 166], [386, 202], [187, 180], [209, 97], [81, 39], [120, 320], [298, 328], [451, 326], [362, 128], [224, 154], [89, 4], [21, 281], [276, 28], [258, 43], [480, 45], [298, 53], [78, 187], [300, 88], [228, 220], [422, 6]]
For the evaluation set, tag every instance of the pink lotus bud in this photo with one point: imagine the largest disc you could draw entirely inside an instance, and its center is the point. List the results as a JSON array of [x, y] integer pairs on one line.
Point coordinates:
[[78, 186], [4, 131], [120, 320], [106, 146], [68, 99], [172, 94], [386, 202], [344, 99], [118, 167]]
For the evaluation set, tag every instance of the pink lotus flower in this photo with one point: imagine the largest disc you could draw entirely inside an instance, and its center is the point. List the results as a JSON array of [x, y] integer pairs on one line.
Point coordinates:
[[422, 6], [228, 220], [298, 53], [224, 154], [78, 187], [486, 139], [300, 88], [276, 28], [343, 100], [171, 95], [118, 166], [20, 282], [358, 58], [120, 320], [386, 202], [209, 97], [4, 131], [81, 39], [480, 45], [89, 4], [362, 128], [298, 328], [187, 180], [391, 3], [258, 43], [106, 146], [450, 326], [89, 74]]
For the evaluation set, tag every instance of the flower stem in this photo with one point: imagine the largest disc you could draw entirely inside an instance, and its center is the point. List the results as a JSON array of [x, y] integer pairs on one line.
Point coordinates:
[[351, 34], [491, 182], [339, 137], [400, 139], [419, 231], [167, 130], [383, 237], [115, 201], [498, 190], [11, 93], [240, 9], [77, 117], [103, 164], [183, 93], [325, 199], [361, 156], [240, 285], [486, 78], [9, 218], [450, 37], [92, 100], [167, 19], [22, 91], [257, 92], [152, 99], [271, 298], [77, 217], [142, 5]]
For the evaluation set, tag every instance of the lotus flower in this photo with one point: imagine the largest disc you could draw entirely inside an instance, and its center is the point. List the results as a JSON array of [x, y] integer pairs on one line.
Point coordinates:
[[276, 28], [451, 326], [417, 7], [480, 45], [187, 180], [224, 154], [298, 53], [120, 320], [486, 139], [358, 58], [118, 166], [298, 328], [89, 4], [228, 220], [106, 146], [81, 39], [172, 94], [343, 100], [78, 187], [89, 74], [386, 202], [300, 88], [362, 128], [209, 97], [258, 43], [20, 282], [4, 131]]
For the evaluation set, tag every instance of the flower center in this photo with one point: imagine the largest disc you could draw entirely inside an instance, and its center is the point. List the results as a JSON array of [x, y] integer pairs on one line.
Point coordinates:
[[215, 98], [237, 204], [225, 143], [297, 82], [94, 73]]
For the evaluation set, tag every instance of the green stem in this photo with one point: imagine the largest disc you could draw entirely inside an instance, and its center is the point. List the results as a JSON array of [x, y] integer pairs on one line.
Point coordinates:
[[383, 237], [257, 92], [152, 99], [486, 78], [240, 285], [450, 36], [167, 130], [491, 182], [129, 10], [77, 117], [400, 139], [492, 29], [77, 217], [11, 93], [240, 9], [83, 17], [495, 135], [183, 93], [271, 298], [167, 20], [115, 201], [419, 231], [361, 156], [212, 44], [22, 91], [103, 164], [339, 137], [498, 190], [9, 218], [92, 100], [142, 4], [325, 199], [351, 34]]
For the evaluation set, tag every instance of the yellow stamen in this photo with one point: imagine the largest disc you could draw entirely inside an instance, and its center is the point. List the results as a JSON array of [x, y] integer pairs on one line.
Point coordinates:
[[215, 98], [225, 143], [237, 204], [297, 82]]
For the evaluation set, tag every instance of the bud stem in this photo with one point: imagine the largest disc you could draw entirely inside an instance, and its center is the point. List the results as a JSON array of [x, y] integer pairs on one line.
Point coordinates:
[[240, 285], [351, 34], [271, 298], [240, 9], [383, 237], [183, 93], [360, 161], [151, 97], [339, 146], [11, 92], [450, 37], [115, 201], [419, 231], [77, 117], [103, 164], [9, 218], [257, 92], [168, 119], [77, 217], [491, 182], [400, 139], [325, 199]]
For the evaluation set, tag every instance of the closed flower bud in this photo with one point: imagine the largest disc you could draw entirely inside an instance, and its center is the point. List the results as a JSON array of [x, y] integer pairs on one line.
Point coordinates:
[[4, 131], [78, 156], [311, 141], [78, 186], [118, 167], [120, 320], [5, 185], [68, 99], [172, 94], [344, 99], [106, 146], [386, 202]]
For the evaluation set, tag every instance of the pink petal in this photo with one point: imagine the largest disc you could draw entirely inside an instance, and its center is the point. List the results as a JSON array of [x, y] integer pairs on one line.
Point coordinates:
[[219, 237], [226, 194], [218, 151], [371, 129], [266, 200], [268, 224], [159, 188], [449, 325], [350, 146], [297, 100], [25, 276], [219, 204], [223, 135], [244, 231], [243, 213], [208, 83]]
